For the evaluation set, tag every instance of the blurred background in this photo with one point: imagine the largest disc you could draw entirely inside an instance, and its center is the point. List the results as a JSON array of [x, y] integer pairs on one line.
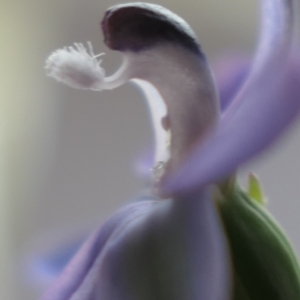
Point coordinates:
[[69, 158]]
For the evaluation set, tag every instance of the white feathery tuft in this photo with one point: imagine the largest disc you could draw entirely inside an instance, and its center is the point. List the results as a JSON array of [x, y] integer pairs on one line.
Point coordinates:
[[76, 66]]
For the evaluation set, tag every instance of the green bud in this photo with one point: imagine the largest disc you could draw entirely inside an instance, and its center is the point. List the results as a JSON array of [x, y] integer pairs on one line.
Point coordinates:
[[264, 263], [255, 190]]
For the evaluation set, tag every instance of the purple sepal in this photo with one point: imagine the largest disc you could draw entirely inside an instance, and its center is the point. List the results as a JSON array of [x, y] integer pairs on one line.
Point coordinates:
[[266, 104], [152, 250], [230, 73], [245, 131], [75, 272]]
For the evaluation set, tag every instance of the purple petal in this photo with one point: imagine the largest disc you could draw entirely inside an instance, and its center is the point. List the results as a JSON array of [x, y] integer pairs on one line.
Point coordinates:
[[160, 250], [266, 104], [230, 73], [254, 127], [73, 275], [277, 28], [47, 266]]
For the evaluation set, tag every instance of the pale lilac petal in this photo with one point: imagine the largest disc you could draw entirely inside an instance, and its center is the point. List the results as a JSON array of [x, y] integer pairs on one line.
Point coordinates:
[[265, 105], [181, 243], [277, 28], [230, 74], [255, 126], [46, 267], [73, 275], [161, 250]]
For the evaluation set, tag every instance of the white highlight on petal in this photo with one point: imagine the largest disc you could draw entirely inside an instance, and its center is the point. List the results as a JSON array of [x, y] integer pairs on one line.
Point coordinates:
[[77, 67], [158, 111]]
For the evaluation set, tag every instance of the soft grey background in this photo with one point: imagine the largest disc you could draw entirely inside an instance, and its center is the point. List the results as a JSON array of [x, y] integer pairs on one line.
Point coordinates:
[[67, 156]]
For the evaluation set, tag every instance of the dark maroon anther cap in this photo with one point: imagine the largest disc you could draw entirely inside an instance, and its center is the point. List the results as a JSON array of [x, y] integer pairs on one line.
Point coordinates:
[[138, 26]]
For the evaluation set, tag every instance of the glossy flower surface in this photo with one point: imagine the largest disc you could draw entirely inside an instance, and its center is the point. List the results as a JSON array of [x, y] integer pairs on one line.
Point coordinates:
[[173, 246]]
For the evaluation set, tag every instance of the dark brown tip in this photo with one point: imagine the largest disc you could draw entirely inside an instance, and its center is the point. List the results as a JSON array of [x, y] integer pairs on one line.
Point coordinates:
[[138, 26]]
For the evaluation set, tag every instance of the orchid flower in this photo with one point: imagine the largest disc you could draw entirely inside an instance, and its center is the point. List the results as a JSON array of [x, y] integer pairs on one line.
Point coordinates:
[[185, 242]]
